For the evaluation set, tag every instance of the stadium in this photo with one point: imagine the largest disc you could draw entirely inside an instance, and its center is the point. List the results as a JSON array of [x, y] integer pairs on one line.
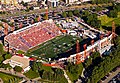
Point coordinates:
[[45, 40], [41, 39]]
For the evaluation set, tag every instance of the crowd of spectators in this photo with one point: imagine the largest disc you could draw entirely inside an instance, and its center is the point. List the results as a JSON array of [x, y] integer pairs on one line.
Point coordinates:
[[31, 37]]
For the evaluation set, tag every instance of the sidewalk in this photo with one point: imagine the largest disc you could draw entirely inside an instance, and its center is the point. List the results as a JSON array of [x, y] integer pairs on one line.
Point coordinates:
[[14, 73], [66, 76], [111, 76]]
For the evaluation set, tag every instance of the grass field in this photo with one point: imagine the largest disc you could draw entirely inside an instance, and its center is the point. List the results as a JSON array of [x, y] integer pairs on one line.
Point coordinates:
[[106, 21], [9, 78], [54, 47]]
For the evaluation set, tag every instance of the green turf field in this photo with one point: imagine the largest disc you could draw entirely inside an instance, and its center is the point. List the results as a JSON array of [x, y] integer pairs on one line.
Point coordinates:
[[52, 48]]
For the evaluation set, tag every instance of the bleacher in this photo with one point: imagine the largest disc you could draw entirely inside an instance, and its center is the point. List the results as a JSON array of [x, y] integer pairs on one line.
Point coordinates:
[[25, 39]]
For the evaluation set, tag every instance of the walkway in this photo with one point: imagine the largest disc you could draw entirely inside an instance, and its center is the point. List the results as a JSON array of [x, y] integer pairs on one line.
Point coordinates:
[[35, 79], [12, 72], [66, 76], [1, 81], [111, 76], [91, 28]]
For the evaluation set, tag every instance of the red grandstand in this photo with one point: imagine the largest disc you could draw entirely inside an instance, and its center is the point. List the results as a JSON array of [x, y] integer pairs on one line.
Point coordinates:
[[33, 35]]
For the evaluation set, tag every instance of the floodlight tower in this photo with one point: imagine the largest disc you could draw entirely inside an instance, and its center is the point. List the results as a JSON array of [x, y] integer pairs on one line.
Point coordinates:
[[20, 25], [46, 13], [5, 28], [113, 29], [38, 18], [92, 42], [77, 51], [77, 47], [85, 53]]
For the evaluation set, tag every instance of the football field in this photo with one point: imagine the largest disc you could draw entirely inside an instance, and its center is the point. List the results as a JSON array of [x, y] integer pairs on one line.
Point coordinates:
[[54, 47]]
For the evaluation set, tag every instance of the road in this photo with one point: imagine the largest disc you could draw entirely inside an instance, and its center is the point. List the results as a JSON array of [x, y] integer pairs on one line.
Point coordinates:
[[58, 10], [111, 76]]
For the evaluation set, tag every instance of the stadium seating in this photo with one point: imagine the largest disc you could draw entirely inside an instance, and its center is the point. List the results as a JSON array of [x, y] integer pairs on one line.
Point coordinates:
[[33, 36]]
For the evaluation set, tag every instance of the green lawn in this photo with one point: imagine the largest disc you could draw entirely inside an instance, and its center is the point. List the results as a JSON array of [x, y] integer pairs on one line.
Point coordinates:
[[55, 46], [31, 74], [71, 76], [9, 78], [116, 20], [106, 21]]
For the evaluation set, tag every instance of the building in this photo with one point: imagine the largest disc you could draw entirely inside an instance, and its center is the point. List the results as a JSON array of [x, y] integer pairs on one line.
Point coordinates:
[[53, 3], [9, 2], [85, 0], [73, 1], [0, 6], [70, 1], [24, 1], [21, 61], [19, 1]]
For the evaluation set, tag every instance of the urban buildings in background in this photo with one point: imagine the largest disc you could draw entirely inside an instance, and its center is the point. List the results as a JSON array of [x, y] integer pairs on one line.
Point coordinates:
[[7, 2], [53, 3]]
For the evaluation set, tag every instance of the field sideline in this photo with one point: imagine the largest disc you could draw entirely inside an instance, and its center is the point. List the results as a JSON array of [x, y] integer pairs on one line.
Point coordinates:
[[54, 47]]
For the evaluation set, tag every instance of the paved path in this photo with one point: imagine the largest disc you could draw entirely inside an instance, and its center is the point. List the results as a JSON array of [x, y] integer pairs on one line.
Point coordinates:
[[82, 75], [111, 76], [1, 81], [14, 73], [91, 28], [36, 78], [66, 76]]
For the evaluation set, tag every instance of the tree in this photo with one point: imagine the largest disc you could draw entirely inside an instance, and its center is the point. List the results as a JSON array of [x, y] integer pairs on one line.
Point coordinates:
[[1, 49], [44, 16], [6, 66], [31, 74], [105, 65], [25, 4], [46, 75], [101, 1], [113, 13], [36, 20], [76, 12], [1, 59], [116, 7], [27, 10], [4, 20], [74, 70], [22, 2], [18, 68], [1, 24], [98, 9], [31, 8], [70, 14], [64, 14], [7, 56], [88, 62]]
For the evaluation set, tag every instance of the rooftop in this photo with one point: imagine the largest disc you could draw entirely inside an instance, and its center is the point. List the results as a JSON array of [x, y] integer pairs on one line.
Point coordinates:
[[23, 61]]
